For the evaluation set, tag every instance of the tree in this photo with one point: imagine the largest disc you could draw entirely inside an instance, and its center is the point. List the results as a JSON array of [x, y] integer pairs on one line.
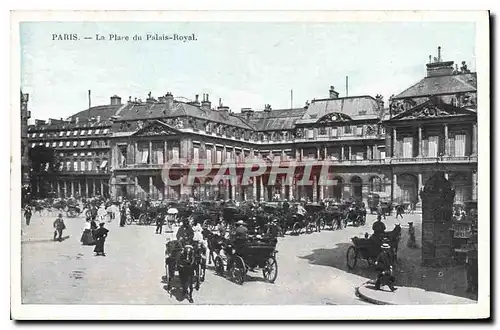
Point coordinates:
[[44, 167]]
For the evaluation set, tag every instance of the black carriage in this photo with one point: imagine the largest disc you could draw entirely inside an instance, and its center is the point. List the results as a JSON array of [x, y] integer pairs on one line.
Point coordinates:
[[274, 220], [255, 254], [296, 223], [315, 218], [368, 248], [332, 217]]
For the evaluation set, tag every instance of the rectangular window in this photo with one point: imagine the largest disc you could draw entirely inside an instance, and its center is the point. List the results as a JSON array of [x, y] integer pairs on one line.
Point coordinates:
[[82, 132], [61, 133], [144, 156], [54, 144], [209, 155], [47, 144], [68, 133], [82, 166], [310, 133], [460, 145], [41, 134], [218, 157], [175, 155], [408, 147], [97, 131], [75, 166], [347, 130], [75, 133], [75, 143], [89, 166], [82, 143], [432, 150], [68, 166], [196, 154], [228, 156]]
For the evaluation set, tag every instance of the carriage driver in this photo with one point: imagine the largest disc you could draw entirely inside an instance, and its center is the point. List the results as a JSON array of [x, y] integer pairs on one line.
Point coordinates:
[[185, 234], [239, 240], [378, 228], [301, 211]]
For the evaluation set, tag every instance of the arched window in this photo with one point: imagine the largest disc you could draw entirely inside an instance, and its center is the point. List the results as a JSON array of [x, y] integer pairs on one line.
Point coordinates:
[[375, 184]]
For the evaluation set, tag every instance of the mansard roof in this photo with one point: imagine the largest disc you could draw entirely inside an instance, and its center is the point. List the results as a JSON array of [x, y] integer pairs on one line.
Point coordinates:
[[143, 111], [447, 84], [274, 120], [355, 107]]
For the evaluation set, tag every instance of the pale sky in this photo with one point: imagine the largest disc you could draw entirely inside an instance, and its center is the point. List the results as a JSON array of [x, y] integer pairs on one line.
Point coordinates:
[[245, 64]]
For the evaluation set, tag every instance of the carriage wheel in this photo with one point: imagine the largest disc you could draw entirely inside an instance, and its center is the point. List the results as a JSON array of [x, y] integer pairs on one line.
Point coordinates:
[[352, 257], [270, 270], [129, 220], [322, 223], [296, 229], [142, 219], [219, 266], [238, 272]]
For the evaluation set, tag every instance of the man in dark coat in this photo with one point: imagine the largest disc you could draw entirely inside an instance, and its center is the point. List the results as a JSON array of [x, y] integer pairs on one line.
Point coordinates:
[[160, 221], [59, 226], [27, 214], [100, 236], [185, 232], [123, 215], [385, 268]]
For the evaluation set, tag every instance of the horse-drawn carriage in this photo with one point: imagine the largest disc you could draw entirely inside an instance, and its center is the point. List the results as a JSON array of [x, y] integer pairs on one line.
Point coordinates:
[[314, 213], [257, 253], [368, 248]]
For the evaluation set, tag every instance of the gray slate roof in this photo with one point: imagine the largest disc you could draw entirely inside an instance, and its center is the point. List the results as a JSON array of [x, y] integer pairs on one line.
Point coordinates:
[[458, 83]]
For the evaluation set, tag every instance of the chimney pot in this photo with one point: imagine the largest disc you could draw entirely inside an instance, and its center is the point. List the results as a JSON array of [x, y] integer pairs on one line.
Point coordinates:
[[333, 93], [197, 98]]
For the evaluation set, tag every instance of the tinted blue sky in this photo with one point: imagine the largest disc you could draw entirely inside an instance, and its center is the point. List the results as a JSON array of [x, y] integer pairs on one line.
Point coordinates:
[[245, 64]]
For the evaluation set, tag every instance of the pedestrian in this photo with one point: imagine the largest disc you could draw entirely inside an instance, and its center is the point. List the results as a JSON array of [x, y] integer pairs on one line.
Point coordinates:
[[399, 211], [59, 226], [160, 221], [384, 265], [87, 236], [411, 232], [100, 236], [27, 214], [123, 215]]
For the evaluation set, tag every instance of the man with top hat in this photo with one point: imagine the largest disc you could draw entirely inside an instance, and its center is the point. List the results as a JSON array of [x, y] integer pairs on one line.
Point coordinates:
[[185, 233], [100, 235], [59, 226], [378, 228], [384, 265]]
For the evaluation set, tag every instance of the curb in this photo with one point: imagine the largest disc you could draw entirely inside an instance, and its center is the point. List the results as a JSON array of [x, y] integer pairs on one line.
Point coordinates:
[[369, 299]]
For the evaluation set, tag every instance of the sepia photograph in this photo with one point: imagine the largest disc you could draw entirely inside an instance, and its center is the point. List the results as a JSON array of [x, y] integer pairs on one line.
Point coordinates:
[[179, 161]]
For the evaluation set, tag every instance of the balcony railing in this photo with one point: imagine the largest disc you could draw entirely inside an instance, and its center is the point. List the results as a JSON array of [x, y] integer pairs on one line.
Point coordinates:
[[86, 172], [443, 159]]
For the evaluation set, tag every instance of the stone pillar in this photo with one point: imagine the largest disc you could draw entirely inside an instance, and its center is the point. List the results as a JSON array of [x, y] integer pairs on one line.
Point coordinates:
[[72, 188], [86, 188], [93, 187], [80, 188], [233, 192], [474, 139], [58, 189], [368, 153], [394, 142], [419, 188], [437, 212], [420, 141], [446, 141], [150, 183], [291, 188], [165, 152], [342, 155], [254, 188], [315, 188], [317, 153], [283, 188], [261, 189], [136, 151], [474, 185], [350, 152], [394, 186], [321, 192], [301, 154], [150, 152], [102, 187]]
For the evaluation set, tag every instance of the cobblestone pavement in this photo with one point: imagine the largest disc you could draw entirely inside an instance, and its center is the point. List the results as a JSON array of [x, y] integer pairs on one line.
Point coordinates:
[[312, 269]]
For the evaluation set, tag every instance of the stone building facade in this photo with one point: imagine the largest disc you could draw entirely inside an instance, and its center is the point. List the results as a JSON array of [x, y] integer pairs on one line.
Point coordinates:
[[121, 149], [25, 115], [432, 126]]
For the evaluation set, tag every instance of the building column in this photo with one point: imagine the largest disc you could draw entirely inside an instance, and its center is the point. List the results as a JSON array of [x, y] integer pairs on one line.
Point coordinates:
[[80, 188], [283, 188], [301, 154], [150, 152], [321, 191], [254, 188], [419, 141], [474, 139], [72, 188], [233, 192], [474, 185], [150, 183], [317, 153], [350, 153], [326, 153], [291, 188], [136, 151], [368, 153], [419, 187], [58, 188], [394, 141], [315, 189], [86, 188], [181, 190], [446, 146], [102, 187], [342, 155], [165, 152], [394, 186], [261, 190], [136, 186]]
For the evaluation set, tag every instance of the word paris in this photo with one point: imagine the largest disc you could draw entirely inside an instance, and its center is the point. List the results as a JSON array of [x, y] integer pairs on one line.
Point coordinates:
[[243, 173]]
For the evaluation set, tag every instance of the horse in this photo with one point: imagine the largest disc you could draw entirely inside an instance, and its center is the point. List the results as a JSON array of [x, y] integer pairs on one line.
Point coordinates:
[[214, 243], [200, 263], [394, 236], [182, 259]]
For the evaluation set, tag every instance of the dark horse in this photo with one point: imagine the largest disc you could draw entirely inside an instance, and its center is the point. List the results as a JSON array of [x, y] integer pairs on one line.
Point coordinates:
[[200, 263], [393, 237], [214, 243], [182, 259]]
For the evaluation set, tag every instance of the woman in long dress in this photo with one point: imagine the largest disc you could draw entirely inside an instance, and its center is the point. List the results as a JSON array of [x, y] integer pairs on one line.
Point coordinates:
[[100, 236], [87, 237]]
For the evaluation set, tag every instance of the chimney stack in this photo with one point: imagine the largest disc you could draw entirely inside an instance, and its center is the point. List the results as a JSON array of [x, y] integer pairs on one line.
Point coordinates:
[[169, 98], [438, 67], [267, 108], [248, 112], [206, 102], [333, 93], [116, 100]]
